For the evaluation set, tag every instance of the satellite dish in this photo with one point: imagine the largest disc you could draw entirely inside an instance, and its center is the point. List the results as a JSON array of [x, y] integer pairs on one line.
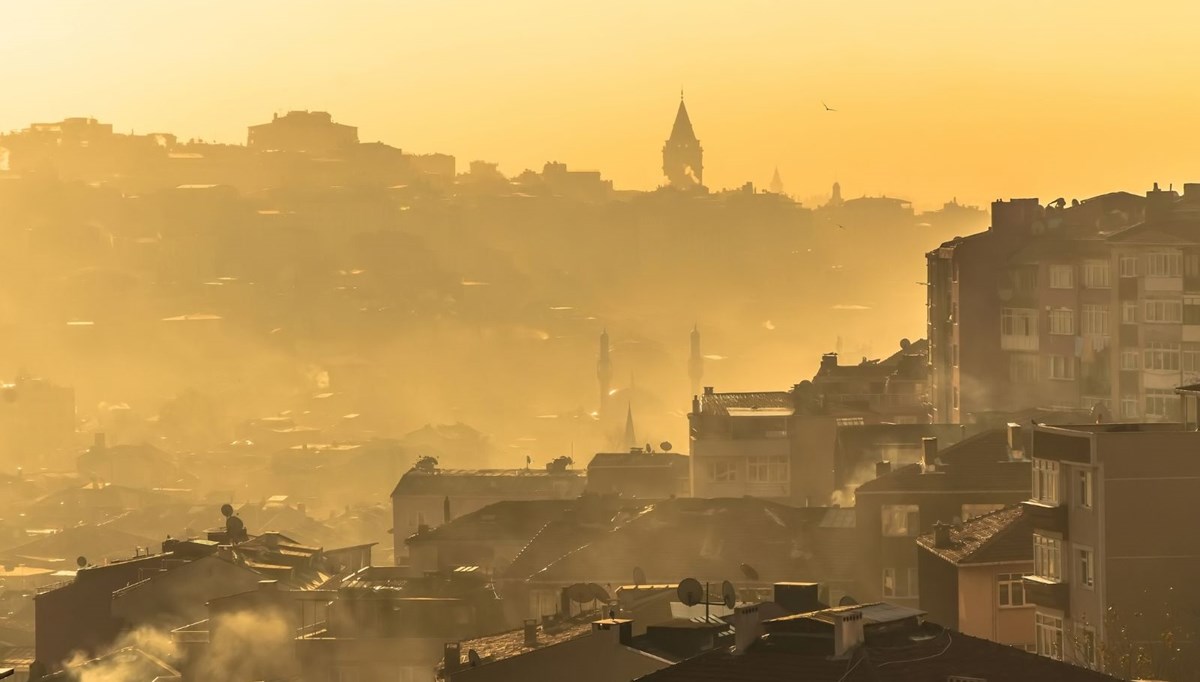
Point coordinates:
[[749, 572], [580, 593], [473, 657], [227, 510], [81, 561], [905, 344], [598, 593], [729, 594], [639, 576], [690, 592], [847, 601], [665, 446]]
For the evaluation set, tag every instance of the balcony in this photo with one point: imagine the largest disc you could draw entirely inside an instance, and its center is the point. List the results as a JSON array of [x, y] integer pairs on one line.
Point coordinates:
[[1019, 342], [1048, 593], [1047, 517]]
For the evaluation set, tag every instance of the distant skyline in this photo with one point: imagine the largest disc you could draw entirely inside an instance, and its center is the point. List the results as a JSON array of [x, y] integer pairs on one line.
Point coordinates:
[[934, 99]]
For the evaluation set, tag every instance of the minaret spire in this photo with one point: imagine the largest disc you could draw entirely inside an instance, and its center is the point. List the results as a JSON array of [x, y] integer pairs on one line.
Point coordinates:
[[630, 434], [604, 372], [696, 361]]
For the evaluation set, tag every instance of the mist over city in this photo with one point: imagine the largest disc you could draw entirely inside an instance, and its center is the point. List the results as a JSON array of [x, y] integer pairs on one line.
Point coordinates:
[[380, 341]]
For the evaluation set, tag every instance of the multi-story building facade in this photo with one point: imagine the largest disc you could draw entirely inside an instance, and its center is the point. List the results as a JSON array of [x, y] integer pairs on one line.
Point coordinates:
[[1079, 306], [1113, 569], [780, 445]]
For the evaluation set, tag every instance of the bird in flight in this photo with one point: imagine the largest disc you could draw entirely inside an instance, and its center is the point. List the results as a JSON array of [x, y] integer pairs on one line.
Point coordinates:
[[841, 226], [827, 107]]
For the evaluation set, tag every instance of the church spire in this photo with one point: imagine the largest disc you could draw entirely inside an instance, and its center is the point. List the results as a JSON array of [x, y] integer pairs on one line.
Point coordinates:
[[630, 434], [776, 182]]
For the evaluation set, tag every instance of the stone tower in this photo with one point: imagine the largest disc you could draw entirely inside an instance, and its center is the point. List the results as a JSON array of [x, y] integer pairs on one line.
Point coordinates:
[[683, 158]]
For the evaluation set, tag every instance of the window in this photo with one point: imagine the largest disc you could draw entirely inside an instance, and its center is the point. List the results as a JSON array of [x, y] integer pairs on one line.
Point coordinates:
[[1085, 636], [850, 421], [900, 520], [970, 511], [1049, 635], [1129, 266], [1012, 589], [1162, 355], [954, 355], [1097, 274], [900, 582], [1129, 312], [1062, 321], [1062, 367], [1164, 312], [1191, 265], [1024, 279], [1129, 406], [1164, 264], [1062, 277], [1086, 563], [1023, 368], [1018, 329], [1083, 488], [1047, 557], [1191, 310], [1095, 319], [767, 469], [722, 470], [1158, 401], [1131, 359], [1045, 480], [1189, 358]]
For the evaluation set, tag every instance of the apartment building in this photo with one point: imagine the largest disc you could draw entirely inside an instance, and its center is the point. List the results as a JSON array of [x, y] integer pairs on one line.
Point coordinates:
[[1094, 306], [1114, 562]]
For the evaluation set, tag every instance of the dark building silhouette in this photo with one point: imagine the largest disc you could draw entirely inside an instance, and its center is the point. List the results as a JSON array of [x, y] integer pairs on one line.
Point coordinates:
[[683, 158], [312, 132]]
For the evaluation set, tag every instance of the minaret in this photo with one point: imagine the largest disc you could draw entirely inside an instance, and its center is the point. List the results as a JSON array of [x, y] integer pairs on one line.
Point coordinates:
[[836, 199], [683, 158], [604, 372], [776, 182], [630, 434], [696, 362]]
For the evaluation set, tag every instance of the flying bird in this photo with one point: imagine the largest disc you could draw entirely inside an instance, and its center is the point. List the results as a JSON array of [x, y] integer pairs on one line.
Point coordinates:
[[841, 226], [827, 107]]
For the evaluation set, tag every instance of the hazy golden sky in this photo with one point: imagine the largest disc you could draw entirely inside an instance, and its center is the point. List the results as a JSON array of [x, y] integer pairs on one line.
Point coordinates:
[[936, 98]]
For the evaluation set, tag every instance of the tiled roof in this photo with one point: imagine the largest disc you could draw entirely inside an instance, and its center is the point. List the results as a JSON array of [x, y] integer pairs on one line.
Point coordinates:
[[706, 538], [932, 655], [1003, 535], [498, 482], [512, 643], [517, 520], [556, 539], [719, 403]]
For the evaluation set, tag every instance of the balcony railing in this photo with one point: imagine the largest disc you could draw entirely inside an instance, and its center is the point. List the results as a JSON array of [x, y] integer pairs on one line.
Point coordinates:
[[1051, 594], [1048, 517]]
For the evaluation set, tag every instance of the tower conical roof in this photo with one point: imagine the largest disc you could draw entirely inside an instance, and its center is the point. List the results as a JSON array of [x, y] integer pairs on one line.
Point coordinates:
[[630, 434], [682, 130]]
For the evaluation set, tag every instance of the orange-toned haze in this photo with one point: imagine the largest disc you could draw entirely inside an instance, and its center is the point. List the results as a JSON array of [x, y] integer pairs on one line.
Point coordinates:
[[934, 98]]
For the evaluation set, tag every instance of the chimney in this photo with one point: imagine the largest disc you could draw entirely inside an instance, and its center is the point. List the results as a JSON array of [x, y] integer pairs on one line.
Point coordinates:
[[847, 632], [452, 658], [708, 390], [446, 509], [798, 597], [829, 361], [1016, 446], [883, 468], [941, 535], [695, 404], [929, 446], [747, 627], [531, 627], [99, 441]]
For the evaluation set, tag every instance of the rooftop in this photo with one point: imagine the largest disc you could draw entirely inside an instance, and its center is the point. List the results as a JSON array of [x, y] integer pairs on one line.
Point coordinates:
[[568, 483], [1001, 536]]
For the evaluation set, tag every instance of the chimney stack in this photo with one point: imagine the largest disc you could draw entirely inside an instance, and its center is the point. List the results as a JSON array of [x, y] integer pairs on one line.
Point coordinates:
[[829, 361], [747, 627], [929, 446], [452, 658], [847, 632], [695, 404], [708, 390], [883, 468], [1016, 446], [941, 535], [531, 638]]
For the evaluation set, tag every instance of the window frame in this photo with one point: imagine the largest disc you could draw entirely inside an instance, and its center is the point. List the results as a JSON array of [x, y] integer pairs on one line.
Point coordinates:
[[1062, 276], [1008, 584], [1061, 322], [1085, 566], [1047, 557], [890, 513], [1048, 628]]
